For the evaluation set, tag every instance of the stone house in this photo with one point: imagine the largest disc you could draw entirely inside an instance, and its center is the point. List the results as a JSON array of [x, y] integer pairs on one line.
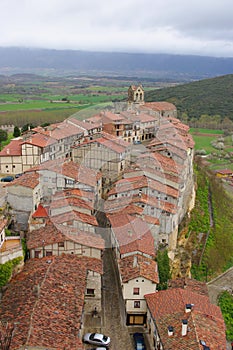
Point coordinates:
[[23, 197], [11, 158], [133, 244], [59, 174], [138, 275], [105, 154], [54, 239]]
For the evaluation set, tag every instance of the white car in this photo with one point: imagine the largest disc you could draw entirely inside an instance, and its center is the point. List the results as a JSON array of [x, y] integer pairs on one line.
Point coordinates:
[[96, 339]]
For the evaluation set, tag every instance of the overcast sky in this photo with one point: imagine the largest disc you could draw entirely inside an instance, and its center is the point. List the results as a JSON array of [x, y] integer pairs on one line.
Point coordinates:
[[202, 27]]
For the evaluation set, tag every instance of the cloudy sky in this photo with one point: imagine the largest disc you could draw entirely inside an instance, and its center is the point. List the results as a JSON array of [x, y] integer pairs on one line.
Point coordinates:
[[202, 27]]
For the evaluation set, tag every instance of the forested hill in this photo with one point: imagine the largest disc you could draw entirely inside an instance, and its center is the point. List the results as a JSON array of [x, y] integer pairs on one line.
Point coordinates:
[[209, 96]]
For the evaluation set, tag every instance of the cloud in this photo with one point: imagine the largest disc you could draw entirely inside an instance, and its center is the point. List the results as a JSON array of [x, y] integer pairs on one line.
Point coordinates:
[[201, 27]]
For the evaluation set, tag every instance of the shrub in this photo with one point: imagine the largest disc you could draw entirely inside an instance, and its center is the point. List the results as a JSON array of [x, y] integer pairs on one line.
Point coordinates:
[[7, 269]]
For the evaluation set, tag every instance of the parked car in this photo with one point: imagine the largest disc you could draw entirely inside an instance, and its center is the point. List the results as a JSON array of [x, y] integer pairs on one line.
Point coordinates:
[[7, 179], [98, 348], [96, 339], [139, 341], [18, 175]]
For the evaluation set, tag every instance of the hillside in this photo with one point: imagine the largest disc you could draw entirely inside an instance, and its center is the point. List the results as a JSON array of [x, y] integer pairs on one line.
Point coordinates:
[[212, 96], [64, 62]]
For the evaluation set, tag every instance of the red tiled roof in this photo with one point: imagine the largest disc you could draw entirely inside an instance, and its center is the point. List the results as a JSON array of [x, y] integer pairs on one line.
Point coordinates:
[[26, 180], [83, 124], [133, 183], [62, 130], [12, 149], [71, 202], [132, 234], [54, 233], [134, 266], [40, 140], [74, 215], [48, 302], [74, 192], [40, 212], [70, 169], [120, 203], [164, 163], [205, 321]]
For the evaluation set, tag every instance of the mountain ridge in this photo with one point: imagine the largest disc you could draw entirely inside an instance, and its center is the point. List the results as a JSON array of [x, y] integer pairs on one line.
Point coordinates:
[[185, 67]]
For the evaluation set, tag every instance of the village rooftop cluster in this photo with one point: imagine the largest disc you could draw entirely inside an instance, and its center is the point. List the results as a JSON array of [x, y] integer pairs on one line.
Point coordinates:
[[121, 179]]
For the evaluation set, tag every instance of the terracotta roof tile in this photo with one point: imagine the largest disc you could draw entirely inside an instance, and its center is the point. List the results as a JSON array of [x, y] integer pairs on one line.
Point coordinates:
[[71, 170], [72, 216], [40, 140], [14, 148], [40, 212], [26, 180], [205, 321], [55, 233], [134, 266], [48, 302], [132, 234], [133, 183]]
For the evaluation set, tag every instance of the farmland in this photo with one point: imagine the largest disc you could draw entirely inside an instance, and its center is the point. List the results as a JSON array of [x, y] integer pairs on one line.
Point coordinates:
[[36, 99]]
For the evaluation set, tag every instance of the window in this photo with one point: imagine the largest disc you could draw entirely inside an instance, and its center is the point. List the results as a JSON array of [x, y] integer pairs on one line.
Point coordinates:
[[90, 292], [37, 254], [48, 253], [61, 245], [137, 304], [136, 291]]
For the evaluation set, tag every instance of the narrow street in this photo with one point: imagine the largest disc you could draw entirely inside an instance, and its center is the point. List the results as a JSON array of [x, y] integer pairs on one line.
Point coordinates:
[[113, 306]]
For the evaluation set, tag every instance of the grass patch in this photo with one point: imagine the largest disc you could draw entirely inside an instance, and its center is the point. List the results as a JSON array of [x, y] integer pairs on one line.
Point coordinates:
[[206, 131]]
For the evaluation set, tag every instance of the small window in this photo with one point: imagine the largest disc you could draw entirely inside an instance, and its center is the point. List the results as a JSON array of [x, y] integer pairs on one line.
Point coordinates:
[[49, 253], [136, 291], [37, 254], [137, 304], [90, 292], [13, 166], [61, 244]]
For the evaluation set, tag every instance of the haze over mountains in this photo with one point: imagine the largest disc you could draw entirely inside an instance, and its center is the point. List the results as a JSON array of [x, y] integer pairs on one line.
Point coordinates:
[[160, 66]]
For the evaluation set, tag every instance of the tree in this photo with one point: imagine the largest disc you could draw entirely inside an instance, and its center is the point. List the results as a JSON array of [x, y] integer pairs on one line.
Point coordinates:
[[16, 132], [3, 136], [27, 127], [164, 268]]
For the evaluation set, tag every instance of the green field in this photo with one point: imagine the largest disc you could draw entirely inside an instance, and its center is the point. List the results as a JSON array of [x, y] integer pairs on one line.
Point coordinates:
[[206, 131], [204, 142]]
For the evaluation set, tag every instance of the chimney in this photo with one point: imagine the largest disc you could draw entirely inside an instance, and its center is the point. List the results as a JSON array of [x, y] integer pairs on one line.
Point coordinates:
[[184, 328], [170, 331], [188, 307]]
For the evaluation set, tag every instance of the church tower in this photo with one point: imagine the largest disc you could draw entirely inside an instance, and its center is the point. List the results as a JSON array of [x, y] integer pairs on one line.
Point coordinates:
[[136, 95]]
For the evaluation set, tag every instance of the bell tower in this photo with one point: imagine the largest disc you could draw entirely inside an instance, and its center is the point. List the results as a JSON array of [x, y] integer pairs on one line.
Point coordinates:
[[136, 94]]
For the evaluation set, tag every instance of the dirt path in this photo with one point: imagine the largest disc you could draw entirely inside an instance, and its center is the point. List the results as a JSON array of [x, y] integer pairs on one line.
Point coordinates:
[[222, 283]]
